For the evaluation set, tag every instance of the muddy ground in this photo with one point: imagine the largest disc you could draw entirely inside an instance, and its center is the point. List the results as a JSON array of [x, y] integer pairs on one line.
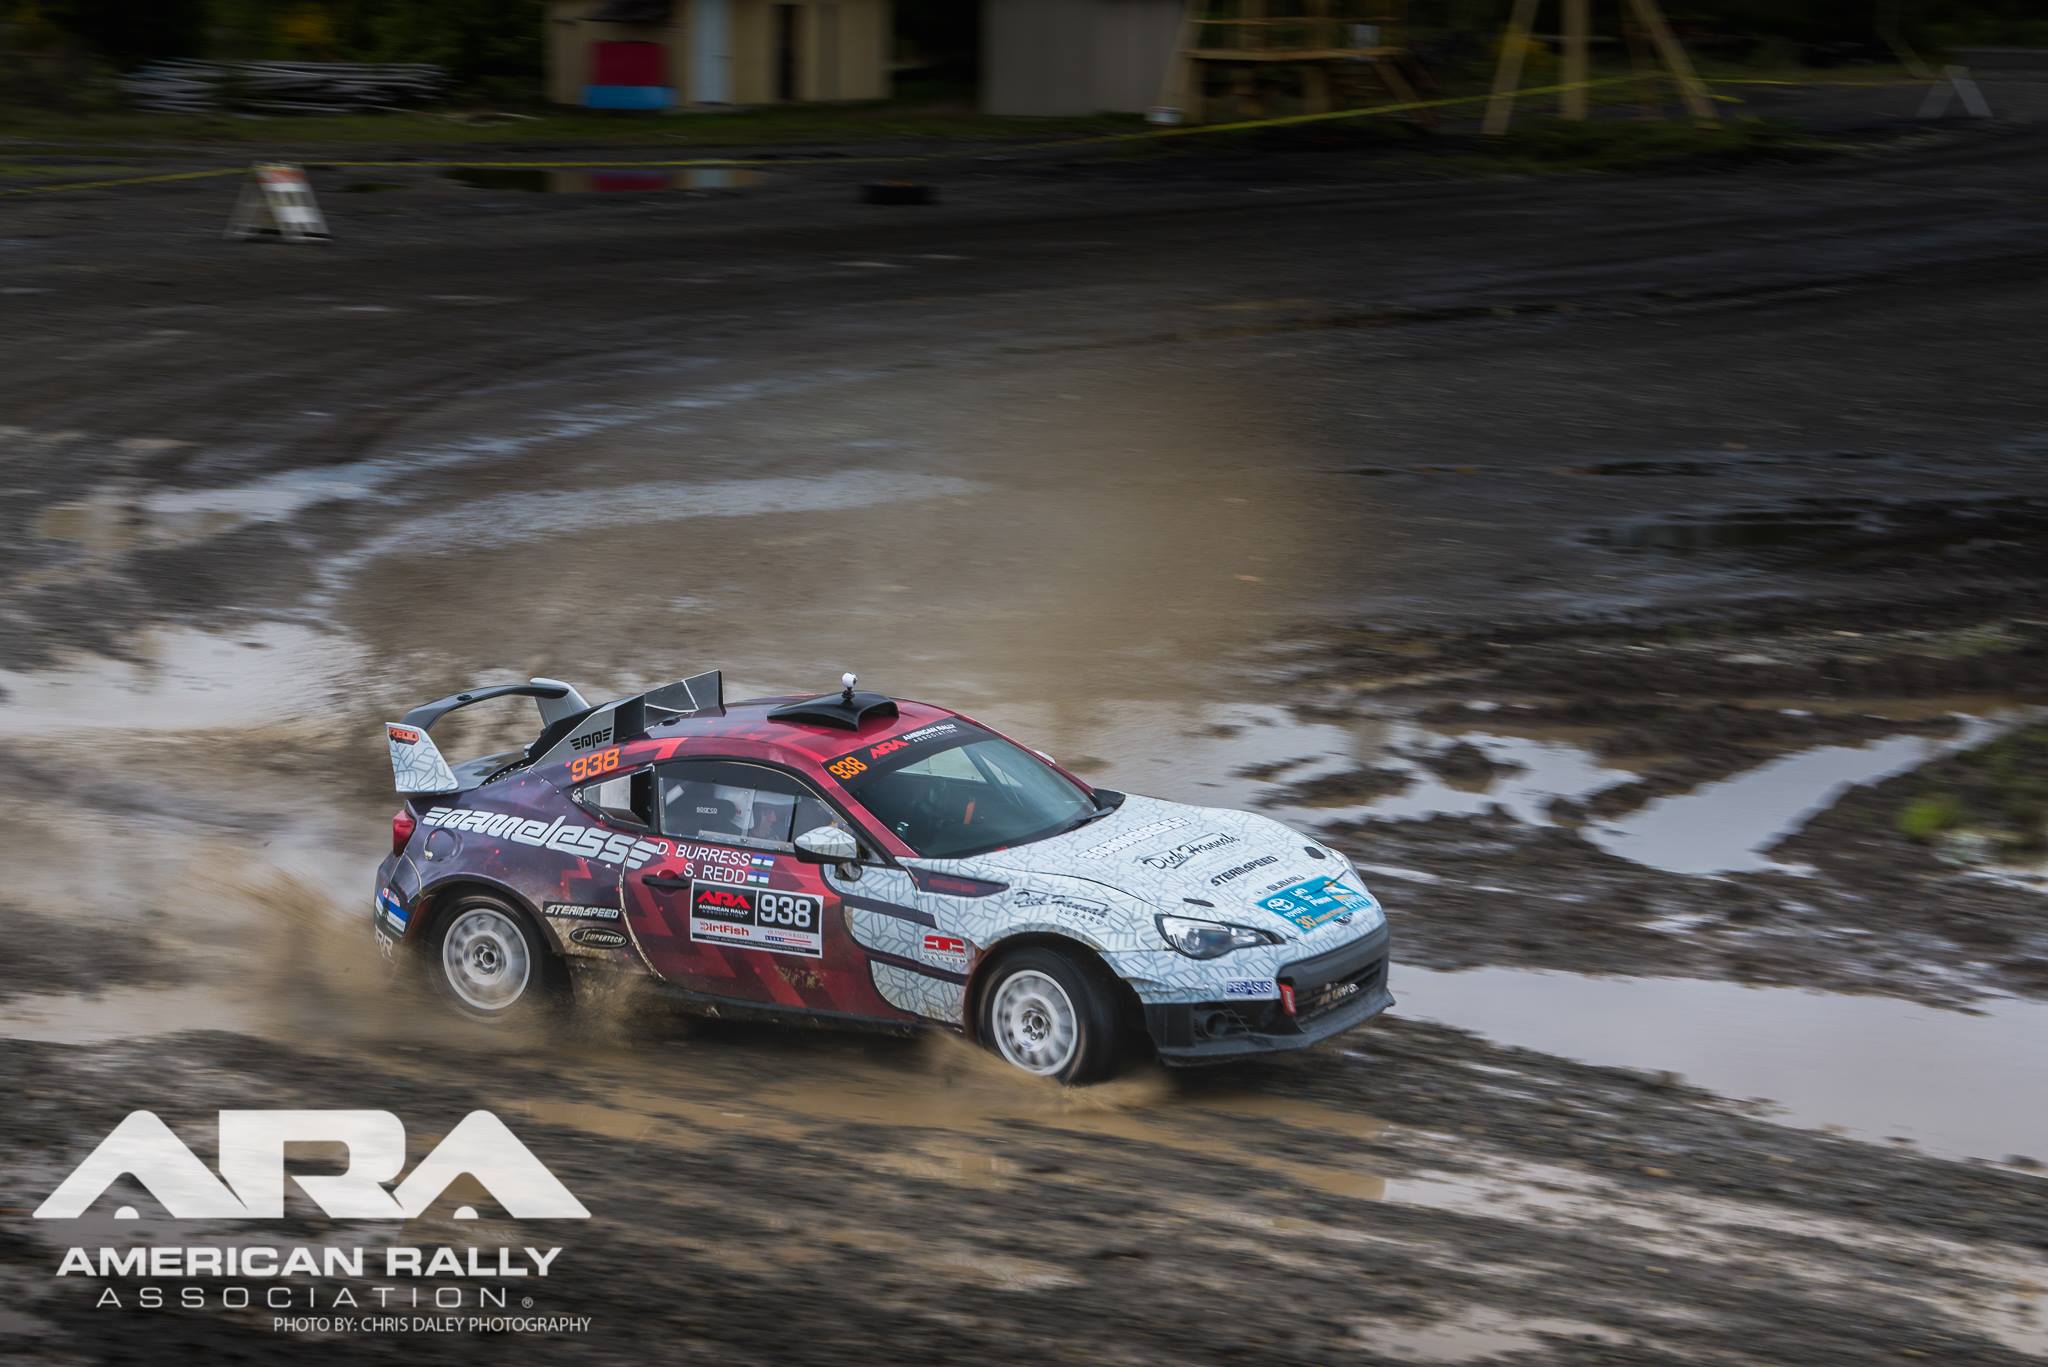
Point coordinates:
[[1641, 576]]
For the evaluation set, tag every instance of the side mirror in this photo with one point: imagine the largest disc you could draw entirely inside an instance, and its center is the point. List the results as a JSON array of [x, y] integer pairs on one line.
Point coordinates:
[[827, 845]]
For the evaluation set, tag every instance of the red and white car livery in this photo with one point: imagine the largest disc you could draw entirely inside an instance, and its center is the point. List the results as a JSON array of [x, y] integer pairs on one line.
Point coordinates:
[[867, 861]]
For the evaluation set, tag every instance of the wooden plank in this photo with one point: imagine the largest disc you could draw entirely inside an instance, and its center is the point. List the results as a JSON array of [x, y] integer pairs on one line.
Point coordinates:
[[1690, 89], [1577, 33], [1513, 44]]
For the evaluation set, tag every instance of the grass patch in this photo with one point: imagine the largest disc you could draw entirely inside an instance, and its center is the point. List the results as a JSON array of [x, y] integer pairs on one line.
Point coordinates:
[[1924, 818], [2000, 789], [1538, 146], [1532, 146], [882, 121]]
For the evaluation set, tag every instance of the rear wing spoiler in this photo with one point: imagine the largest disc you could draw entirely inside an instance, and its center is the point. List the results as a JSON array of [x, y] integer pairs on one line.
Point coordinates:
[[569, 725], [417, 765]]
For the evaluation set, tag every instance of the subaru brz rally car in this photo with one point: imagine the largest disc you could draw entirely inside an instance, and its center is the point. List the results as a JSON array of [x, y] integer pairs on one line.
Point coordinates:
[[860, 860]]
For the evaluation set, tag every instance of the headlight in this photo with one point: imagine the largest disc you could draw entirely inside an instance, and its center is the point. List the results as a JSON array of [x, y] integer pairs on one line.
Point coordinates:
[[1210, 939]]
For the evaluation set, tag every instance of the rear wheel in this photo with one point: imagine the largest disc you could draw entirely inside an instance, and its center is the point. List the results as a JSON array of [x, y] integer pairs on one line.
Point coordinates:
[[1052, 1013], [491, 963]]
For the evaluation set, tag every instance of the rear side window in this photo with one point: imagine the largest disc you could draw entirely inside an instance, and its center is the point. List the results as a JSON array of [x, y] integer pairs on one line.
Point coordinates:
[[627, 799], [737, 804]]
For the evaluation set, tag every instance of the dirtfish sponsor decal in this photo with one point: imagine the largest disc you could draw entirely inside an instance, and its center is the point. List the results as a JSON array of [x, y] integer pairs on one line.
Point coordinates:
[[319, 1287]]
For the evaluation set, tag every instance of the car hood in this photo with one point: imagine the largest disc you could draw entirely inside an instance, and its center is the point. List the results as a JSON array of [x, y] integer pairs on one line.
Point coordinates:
[[1207, 862]]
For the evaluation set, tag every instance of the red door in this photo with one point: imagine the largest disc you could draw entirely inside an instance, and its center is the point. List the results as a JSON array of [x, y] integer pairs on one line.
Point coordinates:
[[628, 64], [731, 912]]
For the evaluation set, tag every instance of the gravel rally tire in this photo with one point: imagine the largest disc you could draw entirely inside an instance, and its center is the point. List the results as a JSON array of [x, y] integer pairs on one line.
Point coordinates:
[[1052, 1013], [491, 963]]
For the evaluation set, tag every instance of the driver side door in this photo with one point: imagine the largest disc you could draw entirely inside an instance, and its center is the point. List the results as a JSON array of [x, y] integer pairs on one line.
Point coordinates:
[[731, 912]]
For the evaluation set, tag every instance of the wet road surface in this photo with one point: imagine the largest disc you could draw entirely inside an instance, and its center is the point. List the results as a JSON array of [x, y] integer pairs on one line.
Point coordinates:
[[1606, 564]]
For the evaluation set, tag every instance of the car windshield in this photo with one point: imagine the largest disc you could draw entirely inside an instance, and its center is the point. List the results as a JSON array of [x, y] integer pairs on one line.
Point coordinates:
[[952, 789]]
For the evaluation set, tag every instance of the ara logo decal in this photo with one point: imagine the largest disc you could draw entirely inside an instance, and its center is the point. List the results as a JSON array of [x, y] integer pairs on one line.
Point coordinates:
[[887, 747], [721, 901], [252, 1175]]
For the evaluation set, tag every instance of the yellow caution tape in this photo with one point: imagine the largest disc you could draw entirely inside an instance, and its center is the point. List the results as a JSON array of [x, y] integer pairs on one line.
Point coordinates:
[[911, 158], [125, 180]]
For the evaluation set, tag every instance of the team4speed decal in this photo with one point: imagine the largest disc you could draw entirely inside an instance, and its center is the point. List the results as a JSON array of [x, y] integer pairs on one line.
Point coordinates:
[[1315, 901], [757, 918]]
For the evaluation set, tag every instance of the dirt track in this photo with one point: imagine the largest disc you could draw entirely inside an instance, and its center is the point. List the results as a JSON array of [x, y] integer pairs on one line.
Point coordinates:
[[1483, 524]]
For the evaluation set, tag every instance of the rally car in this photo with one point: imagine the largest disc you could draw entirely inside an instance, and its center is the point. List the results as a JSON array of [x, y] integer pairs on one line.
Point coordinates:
[[860, 860]]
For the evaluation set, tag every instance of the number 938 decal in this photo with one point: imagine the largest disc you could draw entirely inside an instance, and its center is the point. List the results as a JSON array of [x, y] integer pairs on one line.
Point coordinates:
[[593, 766]]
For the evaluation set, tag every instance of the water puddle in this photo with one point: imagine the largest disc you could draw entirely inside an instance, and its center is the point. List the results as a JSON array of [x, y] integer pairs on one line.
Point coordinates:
[[1475, 1332], [605, 180], [511, 518], [183, 679], [1726, 827], [122, 1013], [1532, 774], [1265, 758], [1960, 1085]]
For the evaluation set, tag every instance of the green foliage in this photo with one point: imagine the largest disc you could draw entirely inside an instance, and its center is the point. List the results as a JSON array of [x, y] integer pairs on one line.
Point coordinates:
[[490, 48], [2000, 789], [1927, 817]]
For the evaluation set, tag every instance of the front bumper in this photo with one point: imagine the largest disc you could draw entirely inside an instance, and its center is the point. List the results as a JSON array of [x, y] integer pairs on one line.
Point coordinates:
[[1333, 992]]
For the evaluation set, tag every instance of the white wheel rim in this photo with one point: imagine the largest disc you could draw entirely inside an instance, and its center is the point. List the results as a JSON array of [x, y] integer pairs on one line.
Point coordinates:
[[1036, 1026], [485, 960]]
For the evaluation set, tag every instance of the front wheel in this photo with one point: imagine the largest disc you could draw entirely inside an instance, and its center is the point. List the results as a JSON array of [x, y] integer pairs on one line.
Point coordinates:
[[492, 965], [1050, 1013]]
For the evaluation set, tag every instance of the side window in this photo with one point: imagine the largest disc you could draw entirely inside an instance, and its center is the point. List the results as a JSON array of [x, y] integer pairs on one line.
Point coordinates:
[[734, 803], [813, 812], [627, 799]]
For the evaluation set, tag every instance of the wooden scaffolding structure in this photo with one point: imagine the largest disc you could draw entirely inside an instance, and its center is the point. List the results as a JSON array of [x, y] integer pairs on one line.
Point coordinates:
[[1231, 43], [1644, 27]]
